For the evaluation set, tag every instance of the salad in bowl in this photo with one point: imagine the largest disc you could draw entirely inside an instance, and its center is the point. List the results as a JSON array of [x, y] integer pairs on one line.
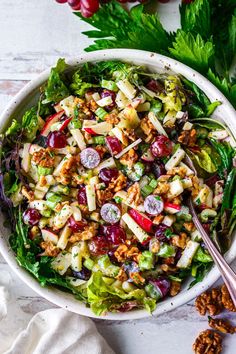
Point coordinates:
[[95, 184]]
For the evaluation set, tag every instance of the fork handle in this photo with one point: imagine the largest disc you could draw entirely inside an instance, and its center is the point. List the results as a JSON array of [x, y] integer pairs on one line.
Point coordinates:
[[226, 271]]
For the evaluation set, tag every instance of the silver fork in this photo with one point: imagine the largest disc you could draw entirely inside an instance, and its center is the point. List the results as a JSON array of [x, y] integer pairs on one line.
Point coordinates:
[[226, 271]]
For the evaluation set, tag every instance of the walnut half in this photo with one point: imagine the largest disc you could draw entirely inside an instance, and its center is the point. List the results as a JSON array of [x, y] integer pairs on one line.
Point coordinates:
[[209, 301], [221, 325], [208, 342]]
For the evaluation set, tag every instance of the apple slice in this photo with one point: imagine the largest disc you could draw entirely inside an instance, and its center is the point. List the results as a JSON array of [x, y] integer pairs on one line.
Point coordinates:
[[48, 235], [142, 220], [50, 121]]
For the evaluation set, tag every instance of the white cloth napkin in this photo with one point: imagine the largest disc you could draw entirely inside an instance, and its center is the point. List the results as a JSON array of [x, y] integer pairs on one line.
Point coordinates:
[[54, 331]]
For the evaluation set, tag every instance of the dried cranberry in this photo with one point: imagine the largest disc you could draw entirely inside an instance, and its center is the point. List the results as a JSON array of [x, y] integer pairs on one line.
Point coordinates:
[[98, 246], [106, 174], [76, 226], [31, 216], [81, 196], [160, 232], [161, 147], [56, 140]]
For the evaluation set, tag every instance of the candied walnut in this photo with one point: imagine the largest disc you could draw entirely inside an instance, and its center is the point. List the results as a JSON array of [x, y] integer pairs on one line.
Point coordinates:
[[226, 299], [177, 200], [50, 249], [67, 171], [175, 287], [188, 137], [130, 134], [209, 301], [169, 260], [92, 105], [129, 158], [44, 158], [117, 184], [180, 171], [112, 118], [221, 325], [168, 268], [84, 209], [189, 226], [123, 253], [89, 232], [134, 194], [158, 219], [180, 240], [208, 342], [27, 193], [42, 181], [148, 129], [122, 276], [103, 195], [162, 188], [101, 150], [76, 179], [137, 278], [196, 185]]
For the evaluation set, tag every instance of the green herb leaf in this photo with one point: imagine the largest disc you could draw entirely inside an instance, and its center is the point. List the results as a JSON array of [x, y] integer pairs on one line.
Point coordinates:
[[193, 51]]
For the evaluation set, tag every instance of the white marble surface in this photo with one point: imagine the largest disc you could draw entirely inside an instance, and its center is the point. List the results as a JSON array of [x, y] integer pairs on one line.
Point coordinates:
[[33, 34]]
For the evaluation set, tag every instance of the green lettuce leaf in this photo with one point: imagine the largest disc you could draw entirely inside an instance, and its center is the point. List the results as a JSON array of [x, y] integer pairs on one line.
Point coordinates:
[[56, 89], [103, 297], [205, 162], [30, 123], [14, 128]]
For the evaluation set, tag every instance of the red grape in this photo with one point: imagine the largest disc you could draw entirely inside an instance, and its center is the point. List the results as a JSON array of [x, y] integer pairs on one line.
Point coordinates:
[[115, 234], [76, 226], [74, 4], [161, 147], [98, 246], [113, 144], [31, 216], [106, 174], [56, 140], [81, 196], [61, 1]]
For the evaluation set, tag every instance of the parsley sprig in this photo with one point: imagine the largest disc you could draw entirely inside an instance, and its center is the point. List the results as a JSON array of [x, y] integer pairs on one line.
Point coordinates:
[[206, 40]]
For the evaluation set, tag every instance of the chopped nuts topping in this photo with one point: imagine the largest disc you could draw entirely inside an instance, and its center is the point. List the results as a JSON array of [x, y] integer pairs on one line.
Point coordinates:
[[44, 158], [208, 342], [134, 194], [27, 193], [180, 240], [209, 301], [226, 299], [123, 253], [50, 249], [188, 137], [221, 325], [89, 232], [117, 184], [129, 158], [175, 287]]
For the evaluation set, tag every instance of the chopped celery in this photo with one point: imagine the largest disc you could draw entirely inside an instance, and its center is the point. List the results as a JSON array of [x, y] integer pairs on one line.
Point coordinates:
[[153, 183], [89, 263], [166, 251], [44, 171], [53, 200], [110, 85], [152, 291], [101, 113], [147, 190], [46, 213], [118, 199], [106, 267], [61, 189], [146, 260], [100, 140]]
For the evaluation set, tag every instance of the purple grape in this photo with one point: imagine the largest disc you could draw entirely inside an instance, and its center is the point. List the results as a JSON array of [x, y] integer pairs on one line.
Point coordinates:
[[84, 274], [110, 213], [106, 174], [158, 169], [115, 234], [153, 205], [90, 158], [160, 232], [112, 94], [31, 216], [81, 196]]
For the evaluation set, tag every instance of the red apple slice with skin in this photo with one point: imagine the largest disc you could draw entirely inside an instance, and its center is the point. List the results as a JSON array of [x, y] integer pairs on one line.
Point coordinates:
[[142, 220], [50, 121]]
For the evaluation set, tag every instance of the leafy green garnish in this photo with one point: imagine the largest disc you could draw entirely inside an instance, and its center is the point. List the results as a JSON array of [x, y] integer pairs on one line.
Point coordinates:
[[56, 89], [30, 123], [193, 50]]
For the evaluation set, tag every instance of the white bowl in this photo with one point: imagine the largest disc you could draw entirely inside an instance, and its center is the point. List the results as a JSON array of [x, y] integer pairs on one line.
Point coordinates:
[[27, 96]]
